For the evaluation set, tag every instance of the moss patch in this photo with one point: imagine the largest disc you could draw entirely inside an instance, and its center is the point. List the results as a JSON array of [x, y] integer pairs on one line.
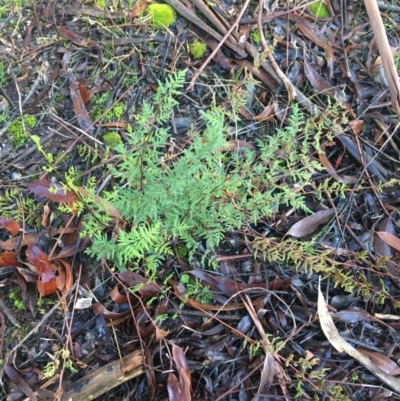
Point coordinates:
[[198, 49], [18, 135], [162, 15], [112, 139]]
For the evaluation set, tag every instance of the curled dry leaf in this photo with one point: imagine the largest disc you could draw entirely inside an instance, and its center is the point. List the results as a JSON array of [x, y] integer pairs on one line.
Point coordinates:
[[119, 298], [183, 371], [337, 341], [99, 309], [267, 114], [47, 282], [309, 224], [84, 91], [9, 224], [8, 258], [65, 278], [146, 288], [390, 367], [323, 158], [174, 390], [356, 126], [381, 247]]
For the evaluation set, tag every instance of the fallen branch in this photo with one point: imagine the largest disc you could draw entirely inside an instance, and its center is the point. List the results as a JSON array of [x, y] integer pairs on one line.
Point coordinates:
[[105, 379]]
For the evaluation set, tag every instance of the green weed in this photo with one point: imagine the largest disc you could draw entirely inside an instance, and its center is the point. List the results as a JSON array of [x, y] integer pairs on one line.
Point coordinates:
[[197, 290]]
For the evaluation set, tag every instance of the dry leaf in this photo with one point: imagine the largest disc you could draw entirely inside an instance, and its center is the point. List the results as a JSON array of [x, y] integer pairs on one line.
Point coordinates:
[[389, 239], [309, 224], [342, 345]]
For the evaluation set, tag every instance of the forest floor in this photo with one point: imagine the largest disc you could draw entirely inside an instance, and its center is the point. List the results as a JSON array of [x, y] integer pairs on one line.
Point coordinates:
[[205, 210]]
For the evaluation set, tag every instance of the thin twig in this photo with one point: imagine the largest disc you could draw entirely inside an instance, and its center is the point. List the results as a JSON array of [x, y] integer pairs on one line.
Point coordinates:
[[214, 52], [289, 86], [8, 313], [42, 321]]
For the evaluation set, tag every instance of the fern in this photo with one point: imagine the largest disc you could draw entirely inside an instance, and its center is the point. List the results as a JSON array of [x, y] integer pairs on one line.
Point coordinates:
[[201, 193]]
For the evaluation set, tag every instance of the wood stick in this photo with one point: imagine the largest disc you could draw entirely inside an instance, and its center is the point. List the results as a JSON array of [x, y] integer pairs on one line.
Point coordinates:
[[105, 379]]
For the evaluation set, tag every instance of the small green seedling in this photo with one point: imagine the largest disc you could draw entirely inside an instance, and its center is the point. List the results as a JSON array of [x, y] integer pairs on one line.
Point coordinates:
[[197, 49], [162, 15], [256, 36]]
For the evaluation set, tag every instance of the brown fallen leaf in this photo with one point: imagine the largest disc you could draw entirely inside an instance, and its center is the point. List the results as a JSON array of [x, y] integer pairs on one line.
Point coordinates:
[[82, 116], [337, 341], [320, 84], [47, 283], [389, 239], [309, 224], [267, 114], [382, 248], [9, 224], [182, 365], [390, 367], [8, 258], [323, 158]]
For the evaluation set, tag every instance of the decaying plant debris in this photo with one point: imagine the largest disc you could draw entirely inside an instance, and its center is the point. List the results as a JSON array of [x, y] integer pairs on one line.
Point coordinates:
[[199, 225]]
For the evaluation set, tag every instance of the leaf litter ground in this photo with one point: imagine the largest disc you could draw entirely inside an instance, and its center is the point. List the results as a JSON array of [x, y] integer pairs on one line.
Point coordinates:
[[254, 326]]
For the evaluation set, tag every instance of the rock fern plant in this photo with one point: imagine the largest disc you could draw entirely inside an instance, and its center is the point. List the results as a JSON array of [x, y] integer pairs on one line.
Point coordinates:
[[202, 192]]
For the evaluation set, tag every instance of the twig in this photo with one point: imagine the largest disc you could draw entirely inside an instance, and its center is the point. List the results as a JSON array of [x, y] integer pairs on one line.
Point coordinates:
[[100, 381], [8, 313], [42, 321], [214, 52], [185, 12], [375, 20], [289, 86]]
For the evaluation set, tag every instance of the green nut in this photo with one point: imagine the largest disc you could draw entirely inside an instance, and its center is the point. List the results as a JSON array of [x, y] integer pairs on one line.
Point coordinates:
[[198, 49], [162, 15]]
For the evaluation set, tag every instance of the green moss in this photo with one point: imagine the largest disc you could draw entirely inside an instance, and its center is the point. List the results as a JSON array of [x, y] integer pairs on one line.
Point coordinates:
[[18, 135], [320, 10], [112, 139], [255, 35], [30, 121], [101, 3], [114, 114], [118, 110], [15, 297], [162, 15], [198, 49], [3, 73]]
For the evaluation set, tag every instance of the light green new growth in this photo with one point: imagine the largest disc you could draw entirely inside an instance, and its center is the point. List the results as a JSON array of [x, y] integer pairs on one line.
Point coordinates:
[[201, 193], [198, 49], [256, 36], [162, 15]]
